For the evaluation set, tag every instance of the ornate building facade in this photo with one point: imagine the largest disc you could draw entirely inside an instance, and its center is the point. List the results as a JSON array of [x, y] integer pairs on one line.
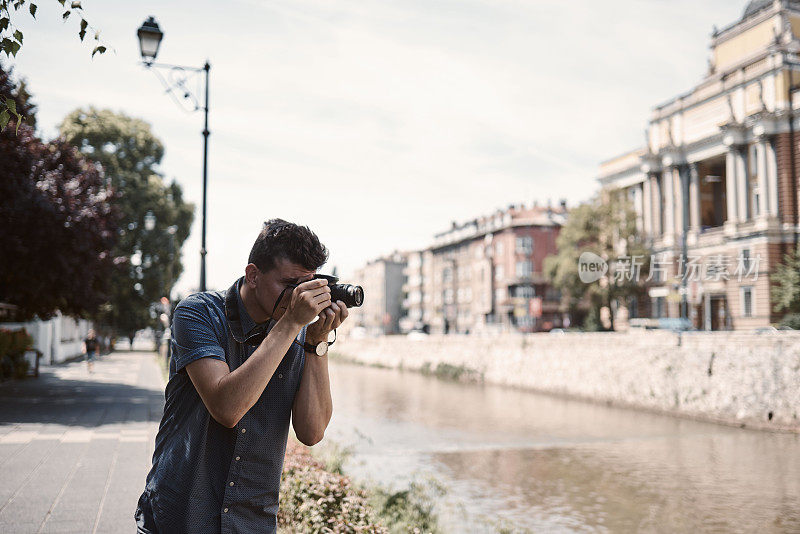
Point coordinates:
[[715, 187]]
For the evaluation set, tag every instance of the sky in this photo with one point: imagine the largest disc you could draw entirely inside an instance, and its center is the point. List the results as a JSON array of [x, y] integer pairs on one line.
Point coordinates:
[[377, 124]]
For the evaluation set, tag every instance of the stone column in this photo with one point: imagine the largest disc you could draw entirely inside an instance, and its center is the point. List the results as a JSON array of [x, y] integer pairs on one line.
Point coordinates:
[[731, 169], [656, 187], [694, 198], [668, 181], [677, 188], [772, 176], [762, 185], [647, 206], [742, 172], [638, 206]]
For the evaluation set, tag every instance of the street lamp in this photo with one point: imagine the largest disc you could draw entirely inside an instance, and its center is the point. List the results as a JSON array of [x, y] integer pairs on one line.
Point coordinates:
[[150, 36], [149, 221], [149, 39]]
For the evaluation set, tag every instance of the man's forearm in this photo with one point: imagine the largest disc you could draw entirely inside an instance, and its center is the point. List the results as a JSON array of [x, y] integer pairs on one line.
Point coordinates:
[[239, 390], [313, 406]]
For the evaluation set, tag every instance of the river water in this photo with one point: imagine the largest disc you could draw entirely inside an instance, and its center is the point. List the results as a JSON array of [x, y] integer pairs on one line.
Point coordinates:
[[528, 462]]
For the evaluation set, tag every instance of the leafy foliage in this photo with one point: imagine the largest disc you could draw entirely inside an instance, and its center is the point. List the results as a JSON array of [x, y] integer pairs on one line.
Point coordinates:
[[786, 284], [129, 154], [11, 41], [13, 344], [57, 223], [605, 226], [315, 500]]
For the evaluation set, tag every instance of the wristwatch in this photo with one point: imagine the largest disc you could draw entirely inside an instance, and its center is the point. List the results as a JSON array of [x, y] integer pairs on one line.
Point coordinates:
[[320, 349]]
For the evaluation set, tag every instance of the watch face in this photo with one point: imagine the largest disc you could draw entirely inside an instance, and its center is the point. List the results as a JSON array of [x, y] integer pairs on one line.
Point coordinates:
[[322, 348]]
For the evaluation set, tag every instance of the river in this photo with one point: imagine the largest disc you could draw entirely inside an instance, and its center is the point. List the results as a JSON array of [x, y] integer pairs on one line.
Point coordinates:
[[529, 462]]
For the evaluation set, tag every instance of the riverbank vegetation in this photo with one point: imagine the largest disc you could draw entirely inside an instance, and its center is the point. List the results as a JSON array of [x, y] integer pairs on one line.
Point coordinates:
[[317, 497]]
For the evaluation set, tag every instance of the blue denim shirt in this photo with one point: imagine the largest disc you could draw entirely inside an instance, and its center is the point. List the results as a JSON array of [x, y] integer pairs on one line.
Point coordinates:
[[206, 477]]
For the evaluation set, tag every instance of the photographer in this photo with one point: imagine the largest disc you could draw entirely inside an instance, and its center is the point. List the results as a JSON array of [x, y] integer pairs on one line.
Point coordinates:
[[243, 362]]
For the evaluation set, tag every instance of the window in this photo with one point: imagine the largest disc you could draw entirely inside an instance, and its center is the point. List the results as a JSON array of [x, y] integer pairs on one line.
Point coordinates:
[[499, 272], [659, 307], [525, 292], [747, 302], [745, 259], [448, 296], [447, 275], [524, 269], [498, 248], [524, 245]]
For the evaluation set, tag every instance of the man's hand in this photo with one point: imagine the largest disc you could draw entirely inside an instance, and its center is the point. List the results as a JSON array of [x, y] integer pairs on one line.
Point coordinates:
[[308, 300], [329, 319]]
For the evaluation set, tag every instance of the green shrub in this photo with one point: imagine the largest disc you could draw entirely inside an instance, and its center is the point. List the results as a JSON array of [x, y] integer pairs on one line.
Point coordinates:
[[409, 511], [315, 500], [13, 344], [792, 321]]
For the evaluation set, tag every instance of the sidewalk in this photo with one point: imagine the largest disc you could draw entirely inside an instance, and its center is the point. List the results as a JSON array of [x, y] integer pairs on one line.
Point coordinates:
[[75, 447]]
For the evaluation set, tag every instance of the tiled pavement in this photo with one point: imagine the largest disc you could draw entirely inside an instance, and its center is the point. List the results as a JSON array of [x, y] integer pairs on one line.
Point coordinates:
[[75, 447]]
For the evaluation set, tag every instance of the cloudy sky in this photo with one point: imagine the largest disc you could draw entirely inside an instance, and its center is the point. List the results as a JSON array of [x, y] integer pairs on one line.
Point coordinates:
[[379, 123]]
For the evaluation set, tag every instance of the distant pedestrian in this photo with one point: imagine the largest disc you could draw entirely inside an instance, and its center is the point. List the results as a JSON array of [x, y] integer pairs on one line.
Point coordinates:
[[91, 345]]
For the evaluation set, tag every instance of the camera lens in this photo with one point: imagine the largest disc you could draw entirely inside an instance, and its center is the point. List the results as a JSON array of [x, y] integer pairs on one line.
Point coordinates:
[[352, 296]]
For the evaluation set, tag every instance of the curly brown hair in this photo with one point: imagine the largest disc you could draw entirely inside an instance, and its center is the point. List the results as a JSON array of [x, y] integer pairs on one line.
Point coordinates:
[[295, 243]]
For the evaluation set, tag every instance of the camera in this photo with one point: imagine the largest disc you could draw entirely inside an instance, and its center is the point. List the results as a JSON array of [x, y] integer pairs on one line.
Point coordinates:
[[352, 296]]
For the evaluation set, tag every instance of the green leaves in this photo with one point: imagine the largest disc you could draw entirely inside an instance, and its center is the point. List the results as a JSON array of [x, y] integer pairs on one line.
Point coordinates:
[[9, 47], [11, 37], [5, 115]]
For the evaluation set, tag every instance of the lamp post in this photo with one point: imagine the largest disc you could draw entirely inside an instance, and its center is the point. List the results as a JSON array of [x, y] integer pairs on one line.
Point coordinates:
[[150, 36]]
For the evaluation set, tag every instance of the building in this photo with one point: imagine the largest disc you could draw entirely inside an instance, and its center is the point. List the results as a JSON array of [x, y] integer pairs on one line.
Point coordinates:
[[382, 280], [417, 291], [715, 186], [488, 273]]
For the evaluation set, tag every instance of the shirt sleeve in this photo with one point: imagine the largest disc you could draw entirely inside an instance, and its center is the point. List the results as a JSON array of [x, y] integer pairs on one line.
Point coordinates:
[[193, 335]]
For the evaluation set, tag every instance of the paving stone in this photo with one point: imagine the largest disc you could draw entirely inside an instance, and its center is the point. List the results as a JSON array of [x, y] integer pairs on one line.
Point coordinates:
[[75, 447]]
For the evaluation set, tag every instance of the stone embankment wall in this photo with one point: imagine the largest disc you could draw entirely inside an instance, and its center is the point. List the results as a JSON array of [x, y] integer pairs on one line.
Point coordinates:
[[743, 379]]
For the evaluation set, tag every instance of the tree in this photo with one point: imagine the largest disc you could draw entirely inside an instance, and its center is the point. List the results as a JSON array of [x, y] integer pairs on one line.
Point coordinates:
[[786, 284], [11, 41], [57, 221], [129, 154], [605, 226]]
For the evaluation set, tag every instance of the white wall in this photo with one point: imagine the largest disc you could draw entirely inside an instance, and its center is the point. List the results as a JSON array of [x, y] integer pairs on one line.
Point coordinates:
[[751, 375], [59, 338]]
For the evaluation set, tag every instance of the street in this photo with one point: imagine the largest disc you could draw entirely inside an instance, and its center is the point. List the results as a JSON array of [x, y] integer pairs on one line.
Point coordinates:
[[75, 447]]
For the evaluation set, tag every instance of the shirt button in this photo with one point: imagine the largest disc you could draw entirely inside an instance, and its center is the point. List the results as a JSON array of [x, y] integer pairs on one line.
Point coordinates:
[[244, 430], [238, 458], [280, 376], [225, 510], [231, 484]]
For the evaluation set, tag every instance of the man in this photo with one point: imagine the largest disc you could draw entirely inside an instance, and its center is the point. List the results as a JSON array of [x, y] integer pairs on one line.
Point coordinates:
[[243, 361]]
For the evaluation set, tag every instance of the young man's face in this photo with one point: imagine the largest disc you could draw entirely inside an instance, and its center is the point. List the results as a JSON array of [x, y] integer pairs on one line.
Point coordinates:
[[272, 282]]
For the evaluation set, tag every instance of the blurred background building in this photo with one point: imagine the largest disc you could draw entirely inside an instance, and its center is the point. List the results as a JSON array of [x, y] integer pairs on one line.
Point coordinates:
[[483, 274]]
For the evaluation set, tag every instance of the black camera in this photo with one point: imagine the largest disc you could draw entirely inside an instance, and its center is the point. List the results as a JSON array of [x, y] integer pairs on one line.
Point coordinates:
[[352, 296]]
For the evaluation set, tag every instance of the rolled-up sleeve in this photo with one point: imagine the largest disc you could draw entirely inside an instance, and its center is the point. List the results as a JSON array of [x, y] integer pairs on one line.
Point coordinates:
[[194, 335]]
